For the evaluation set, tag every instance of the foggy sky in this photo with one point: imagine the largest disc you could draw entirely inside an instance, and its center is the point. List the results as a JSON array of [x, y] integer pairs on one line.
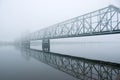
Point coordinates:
[[18, 16]]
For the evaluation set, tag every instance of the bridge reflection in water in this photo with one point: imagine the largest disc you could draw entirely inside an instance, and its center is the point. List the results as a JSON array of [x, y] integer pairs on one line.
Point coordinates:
[[81, 68]]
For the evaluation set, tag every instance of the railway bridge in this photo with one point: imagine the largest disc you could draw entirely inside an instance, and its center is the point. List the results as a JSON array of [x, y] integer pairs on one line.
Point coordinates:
[[100, 22]]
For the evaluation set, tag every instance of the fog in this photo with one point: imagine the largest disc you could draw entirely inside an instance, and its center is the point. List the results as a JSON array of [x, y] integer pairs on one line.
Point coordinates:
[[19, 16]]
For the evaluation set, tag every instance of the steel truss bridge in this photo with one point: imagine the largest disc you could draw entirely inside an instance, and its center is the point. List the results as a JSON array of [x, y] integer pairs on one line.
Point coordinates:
[[99, 22], [80, 68]]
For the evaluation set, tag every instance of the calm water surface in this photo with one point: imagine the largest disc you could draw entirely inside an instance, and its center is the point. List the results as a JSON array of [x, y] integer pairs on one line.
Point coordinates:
[[93, 50], [17, 64]]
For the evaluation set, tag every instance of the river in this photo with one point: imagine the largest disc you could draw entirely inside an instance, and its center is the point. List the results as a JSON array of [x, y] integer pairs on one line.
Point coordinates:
[[31, 64]]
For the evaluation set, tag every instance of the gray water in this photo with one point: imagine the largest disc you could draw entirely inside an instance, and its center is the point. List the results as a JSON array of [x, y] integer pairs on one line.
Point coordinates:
[[106, 51], [16, 65]]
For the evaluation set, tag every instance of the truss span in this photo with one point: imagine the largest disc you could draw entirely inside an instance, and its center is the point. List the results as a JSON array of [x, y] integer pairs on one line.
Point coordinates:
[[99, 22]]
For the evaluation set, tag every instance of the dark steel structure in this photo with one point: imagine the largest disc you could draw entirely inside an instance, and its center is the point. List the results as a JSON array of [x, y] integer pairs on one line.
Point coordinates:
[[81, 68]]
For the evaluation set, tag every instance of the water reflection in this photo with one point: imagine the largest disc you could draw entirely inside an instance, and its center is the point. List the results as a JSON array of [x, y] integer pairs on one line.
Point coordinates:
[[81, 68]]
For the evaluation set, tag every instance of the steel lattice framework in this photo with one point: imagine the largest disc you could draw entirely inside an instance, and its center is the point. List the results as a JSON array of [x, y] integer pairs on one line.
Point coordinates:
[[99, 22], [81, 68]]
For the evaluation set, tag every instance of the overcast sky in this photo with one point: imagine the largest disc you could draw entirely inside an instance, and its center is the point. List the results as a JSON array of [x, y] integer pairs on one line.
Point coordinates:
[[17, 16]]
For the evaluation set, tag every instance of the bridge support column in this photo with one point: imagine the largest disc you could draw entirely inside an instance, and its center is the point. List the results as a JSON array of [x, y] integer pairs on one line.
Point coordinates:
[[26, 44], [46, 45]]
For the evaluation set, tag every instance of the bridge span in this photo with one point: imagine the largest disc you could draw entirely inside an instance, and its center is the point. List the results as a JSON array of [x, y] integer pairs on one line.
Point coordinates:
[[100, 22]]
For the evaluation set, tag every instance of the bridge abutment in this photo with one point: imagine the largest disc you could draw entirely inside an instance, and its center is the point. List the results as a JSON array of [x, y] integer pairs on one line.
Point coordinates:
[[46, 45]]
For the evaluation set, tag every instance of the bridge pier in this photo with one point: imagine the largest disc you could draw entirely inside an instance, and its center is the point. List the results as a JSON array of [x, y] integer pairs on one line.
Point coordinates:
[[26, 44], [46, 45]]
